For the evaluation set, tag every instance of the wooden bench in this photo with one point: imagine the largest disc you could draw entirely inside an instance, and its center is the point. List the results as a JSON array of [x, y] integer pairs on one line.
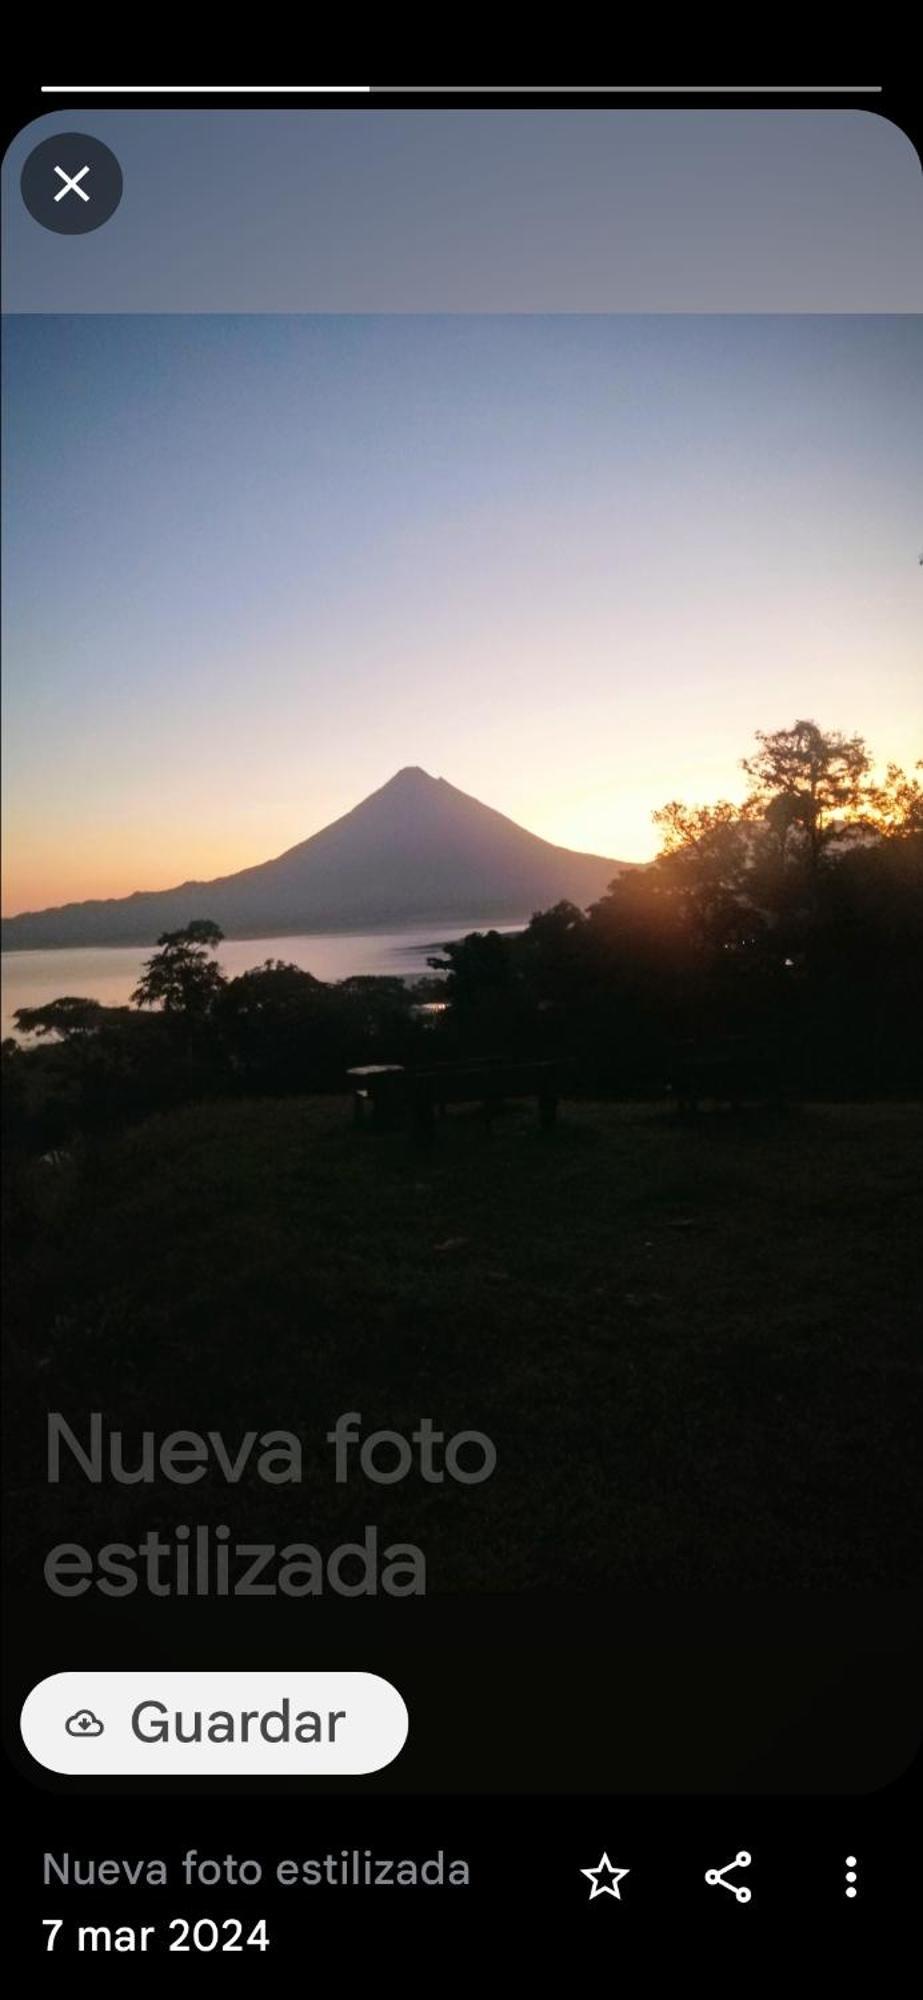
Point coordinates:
[[732, 1072], [392, 1092], [489, 1084]]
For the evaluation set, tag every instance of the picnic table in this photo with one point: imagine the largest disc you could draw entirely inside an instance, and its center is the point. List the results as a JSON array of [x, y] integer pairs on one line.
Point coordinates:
[[392, 1093], [378, 1088]]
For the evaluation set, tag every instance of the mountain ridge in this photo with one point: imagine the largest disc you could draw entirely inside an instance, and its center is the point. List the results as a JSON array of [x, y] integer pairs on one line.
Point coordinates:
[[415, 849]]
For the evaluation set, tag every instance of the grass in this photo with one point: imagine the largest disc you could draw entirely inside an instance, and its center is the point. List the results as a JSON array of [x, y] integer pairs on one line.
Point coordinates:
[[691, 1345]]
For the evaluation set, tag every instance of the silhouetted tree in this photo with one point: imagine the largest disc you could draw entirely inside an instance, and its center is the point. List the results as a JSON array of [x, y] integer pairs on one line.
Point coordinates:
[[273, 990], [272, 1021], [476, 964], [810, 787], [284, 1030], [69, 1018], [181, 978], [898, 803], [706, 864]]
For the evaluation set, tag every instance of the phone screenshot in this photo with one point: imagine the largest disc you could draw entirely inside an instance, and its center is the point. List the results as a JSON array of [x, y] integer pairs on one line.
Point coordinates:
[[462, 993]]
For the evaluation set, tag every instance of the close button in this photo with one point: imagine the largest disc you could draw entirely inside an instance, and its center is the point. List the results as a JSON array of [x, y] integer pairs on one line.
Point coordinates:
[[71, 184], [171, 1725]]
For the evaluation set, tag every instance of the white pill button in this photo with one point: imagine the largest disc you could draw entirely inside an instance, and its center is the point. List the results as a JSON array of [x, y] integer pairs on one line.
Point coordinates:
[[168, 1725]]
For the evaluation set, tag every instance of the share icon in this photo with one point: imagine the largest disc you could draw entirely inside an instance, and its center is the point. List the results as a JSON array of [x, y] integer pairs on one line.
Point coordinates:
[[716, 1876]]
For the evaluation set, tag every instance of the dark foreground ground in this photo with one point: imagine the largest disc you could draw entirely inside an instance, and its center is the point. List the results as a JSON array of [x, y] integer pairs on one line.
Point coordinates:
[[691, 1344]]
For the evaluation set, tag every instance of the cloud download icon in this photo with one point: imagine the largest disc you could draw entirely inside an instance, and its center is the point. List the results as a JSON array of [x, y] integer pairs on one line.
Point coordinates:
[[84, 1723]]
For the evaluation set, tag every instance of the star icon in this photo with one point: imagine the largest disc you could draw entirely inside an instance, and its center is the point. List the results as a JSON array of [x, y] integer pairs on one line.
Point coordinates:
[[601, 1888]]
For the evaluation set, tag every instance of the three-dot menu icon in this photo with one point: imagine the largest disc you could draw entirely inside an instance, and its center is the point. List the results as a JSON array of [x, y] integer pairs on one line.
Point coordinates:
[[851, 1876]]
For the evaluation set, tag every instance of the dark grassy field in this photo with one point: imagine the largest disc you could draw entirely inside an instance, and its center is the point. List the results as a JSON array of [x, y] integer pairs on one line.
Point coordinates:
[[691, 1344]]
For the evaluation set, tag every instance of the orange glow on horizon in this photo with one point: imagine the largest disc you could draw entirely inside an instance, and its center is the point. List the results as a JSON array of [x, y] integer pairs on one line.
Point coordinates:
[[70, 864]]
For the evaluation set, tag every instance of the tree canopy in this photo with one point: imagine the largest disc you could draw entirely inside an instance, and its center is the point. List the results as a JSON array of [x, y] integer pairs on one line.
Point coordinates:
[[181, 977]]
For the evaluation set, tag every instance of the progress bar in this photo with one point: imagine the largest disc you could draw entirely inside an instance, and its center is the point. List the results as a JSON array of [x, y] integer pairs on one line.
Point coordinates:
[[206, 89], [461, 89]]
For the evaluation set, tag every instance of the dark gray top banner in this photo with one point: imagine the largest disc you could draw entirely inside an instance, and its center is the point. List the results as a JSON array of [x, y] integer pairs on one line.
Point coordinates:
[[380, 210]]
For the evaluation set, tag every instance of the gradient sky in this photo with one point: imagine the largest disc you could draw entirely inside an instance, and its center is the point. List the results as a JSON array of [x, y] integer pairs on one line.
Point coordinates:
[[255, 564]]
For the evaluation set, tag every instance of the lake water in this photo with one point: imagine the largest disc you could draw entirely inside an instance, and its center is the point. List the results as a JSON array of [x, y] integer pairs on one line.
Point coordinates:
[[110, 973]]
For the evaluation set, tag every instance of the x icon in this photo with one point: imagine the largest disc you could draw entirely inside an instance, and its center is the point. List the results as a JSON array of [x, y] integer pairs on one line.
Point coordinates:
[[71, 184]]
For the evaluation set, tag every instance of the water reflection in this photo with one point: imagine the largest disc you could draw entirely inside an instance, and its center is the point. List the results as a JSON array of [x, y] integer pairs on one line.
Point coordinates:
[[110, 973]]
